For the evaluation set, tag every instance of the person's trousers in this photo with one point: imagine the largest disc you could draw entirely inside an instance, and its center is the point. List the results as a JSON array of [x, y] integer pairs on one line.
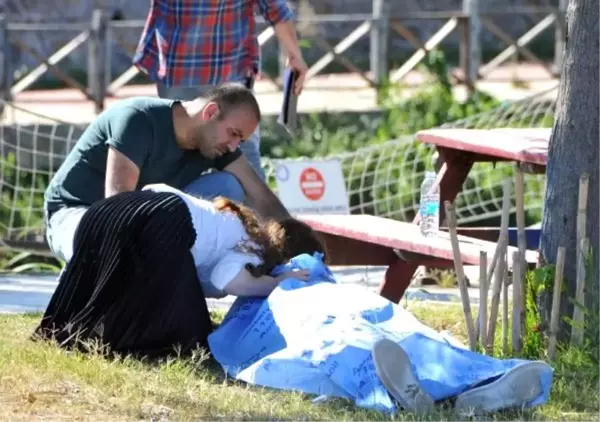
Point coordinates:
[[131, 284], [250, 147], [61, 226]]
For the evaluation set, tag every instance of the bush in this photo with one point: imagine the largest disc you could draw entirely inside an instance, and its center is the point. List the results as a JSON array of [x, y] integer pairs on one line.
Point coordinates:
[[383, 176]]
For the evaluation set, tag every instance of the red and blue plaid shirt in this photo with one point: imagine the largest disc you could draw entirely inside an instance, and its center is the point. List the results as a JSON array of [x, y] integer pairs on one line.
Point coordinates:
[[204, 42]]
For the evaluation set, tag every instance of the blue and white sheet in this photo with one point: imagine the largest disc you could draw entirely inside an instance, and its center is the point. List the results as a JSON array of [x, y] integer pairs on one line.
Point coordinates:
[[316, 337]]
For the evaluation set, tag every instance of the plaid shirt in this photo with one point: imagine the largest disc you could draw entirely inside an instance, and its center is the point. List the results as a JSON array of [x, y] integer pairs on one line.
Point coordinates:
[[204, 42]]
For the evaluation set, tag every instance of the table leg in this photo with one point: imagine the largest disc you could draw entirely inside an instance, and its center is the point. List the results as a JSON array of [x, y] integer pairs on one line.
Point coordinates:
[[459, 164], [397, 279]]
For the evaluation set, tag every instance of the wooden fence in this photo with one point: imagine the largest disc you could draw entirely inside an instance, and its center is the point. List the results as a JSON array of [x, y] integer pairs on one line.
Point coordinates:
[[100, 31]]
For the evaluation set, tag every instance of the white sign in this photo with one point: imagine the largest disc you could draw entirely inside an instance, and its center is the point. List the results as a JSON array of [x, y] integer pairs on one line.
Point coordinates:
[[312, 187]]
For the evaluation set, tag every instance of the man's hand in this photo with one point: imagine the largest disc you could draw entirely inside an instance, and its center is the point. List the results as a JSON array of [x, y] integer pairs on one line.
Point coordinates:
[[298, 64], [122, 174], [258, 194], [286, 34]]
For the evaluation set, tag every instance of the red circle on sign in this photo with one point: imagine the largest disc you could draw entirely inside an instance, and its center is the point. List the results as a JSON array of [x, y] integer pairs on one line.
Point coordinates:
[[312, 184]]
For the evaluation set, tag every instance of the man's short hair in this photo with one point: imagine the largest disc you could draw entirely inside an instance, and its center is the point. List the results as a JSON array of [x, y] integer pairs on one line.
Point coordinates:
[[232, 95]]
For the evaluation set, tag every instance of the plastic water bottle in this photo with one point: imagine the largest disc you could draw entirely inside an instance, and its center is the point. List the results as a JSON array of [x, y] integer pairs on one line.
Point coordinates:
[[430, 206]]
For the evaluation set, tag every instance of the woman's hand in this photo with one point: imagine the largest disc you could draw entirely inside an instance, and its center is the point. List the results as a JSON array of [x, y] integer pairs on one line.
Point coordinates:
[[302, 275]]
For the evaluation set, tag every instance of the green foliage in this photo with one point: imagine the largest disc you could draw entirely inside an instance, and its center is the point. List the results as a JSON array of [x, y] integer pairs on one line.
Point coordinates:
[[431, 105], [21, 190], [537, 281], [591, 312], [27, 262], [21, 216], [541, 281], [384, 179]]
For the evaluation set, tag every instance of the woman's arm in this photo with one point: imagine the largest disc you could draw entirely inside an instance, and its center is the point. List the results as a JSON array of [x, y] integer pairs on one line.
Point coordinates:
[[245, 284]]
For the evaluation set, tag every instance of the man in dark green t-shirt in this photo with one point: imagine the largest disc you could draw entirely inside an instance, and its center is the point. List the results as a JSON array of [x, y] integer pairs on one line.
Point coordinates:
[[147, 140]]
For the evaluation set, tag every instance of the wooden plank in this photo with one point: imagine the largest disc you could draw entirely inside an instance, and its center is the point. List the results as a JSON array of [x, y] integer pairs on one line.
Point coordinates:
[[402, 236], [442, 33], [521, 145], [340, 47], [31, 77], [54, 69], [500, 33], [521, 42], [342, 60]]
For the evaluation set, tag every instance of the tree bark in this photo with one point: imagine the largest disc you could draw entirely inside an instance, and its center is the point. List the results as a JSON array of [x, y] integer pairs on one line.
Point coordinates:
[[573, 151]]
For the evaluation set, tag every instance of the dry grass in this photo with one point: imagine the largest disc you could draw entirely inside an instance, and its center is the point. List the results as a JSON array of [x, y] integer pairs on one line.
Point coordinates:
[[41, 382]]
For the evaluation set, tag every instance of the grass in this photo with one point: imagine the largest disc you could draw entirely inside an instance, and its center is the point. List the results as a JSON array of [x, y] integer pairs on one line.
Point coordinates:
[[39, 381]]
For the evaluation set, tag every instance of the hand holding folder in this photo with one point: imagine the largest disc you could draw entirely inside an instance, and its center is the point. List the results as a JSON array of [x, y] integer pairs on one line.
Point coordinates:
[[288, 116]]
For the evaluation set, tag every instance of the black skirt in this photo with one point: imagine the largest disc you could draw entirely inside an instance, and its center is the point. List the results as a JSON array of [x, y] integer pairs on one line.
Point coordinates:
[[131, 284]]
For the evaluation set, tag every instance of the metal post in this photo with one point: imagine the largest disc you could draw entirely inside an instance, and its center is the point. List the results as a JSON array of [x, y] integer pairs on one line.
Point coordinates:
[[6, 70], [472, 36], [97, 58], [560, 37], [379, 41]]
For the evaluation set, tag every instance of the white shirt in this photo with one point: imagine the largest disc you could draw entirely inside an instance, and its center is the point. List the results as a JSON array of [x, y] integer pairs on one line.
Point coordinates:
[[217, 234]]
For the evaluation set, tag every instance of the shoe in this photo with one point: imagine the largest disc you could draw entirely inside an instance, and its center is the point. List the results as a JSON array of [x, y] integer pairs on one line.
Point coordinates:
[[514, 389], [395, 371]]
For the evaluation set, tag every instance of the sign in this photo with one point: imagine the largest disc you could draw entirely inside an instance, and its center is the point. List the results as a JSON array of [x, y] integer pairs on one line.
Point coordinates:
[[312, 184], [312, 187]]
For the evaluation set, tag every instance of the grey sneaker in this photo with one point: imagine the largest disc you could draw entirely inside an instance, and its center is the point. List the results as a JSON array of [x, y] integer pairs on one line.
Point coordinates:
[[514, 389], [396, 374]]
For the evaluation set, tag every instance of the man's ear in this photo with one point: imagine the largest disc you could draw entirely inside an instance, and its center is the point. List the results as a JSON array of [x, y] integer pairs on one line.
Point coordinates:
[[210, 111]]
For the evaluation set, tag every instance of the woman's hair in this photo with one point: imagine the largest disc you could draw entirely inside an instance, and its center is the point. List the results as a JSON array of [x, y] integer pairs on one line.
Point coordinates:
[[276, 241]]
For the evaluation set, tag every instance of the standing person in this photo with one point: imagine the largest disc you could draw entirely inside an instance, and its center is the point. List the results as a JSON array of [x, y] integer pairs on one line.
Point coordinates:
[[189, 46], [146, 140]]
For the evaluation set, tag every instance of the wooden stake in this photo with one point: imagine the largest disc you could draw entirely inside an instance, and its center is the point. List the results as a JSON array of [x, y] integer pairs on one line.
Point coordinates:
[[483, 294], [497, 266], [460, 274], [577, 330], [498, 275], [503, 237], [517, 304], [581, 254], [558, 278], [523, 312], [520, 211], [505, 308]]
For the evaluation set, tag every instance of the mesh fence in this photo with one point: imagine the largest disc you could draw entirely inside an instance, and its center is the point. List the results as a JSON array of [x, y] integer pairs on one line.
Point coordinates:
[[382, 180]]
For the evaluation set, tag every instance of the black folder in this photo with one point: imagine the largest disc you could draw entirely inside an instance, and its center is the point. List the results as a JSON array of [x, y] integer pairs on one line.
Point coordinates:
[[288, 118]]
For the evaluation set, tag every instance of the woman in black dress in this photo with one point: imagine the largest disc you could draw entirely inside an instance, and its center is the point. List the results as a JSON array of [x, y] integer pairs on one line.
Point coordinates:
[[132, 283]]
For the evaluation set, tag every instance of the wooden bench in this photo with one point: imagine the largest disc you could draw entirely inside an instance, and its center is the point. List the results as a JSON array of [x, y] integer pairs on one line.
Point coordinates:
[[370, 240]]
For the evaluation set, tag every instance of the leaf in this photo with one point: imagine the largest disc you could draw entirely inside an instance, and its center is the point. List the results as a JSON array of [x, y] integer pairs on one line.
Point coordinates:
[[36, 267]]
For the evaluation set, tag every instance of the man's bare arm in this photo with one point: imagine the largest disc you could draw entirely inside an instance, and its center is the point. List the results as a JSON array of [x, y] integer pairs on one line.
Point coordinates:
[[286, 33], [258, 194], [122, 174], [281, 17]]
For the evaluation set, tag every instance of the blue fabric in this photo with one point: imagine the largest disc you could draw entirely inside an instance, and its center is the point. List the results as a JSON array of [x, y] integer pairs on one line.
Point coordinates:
[[317, 336]]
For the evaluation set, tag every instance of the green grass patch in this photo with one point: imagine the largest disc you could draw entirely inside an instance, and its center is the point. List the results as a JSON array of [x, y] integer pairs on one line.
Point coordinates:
[[40, 381]]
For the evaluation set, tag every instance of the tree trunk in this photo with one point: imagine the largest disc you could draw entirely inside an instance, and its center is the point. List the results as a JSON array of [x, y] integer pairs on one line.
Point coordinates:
[[573, 151]]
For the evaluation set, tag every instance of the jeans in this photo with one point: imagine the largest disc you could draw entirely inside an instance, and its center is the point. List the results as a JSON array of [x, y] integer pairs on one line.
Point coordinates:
[[61, 227], [250, 148]]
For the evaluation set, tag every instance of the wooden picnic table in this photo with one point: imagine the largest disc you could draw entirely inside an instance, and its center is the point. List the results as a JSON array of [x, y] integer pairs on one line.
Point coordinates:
[[370, 240], [459, 149]]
